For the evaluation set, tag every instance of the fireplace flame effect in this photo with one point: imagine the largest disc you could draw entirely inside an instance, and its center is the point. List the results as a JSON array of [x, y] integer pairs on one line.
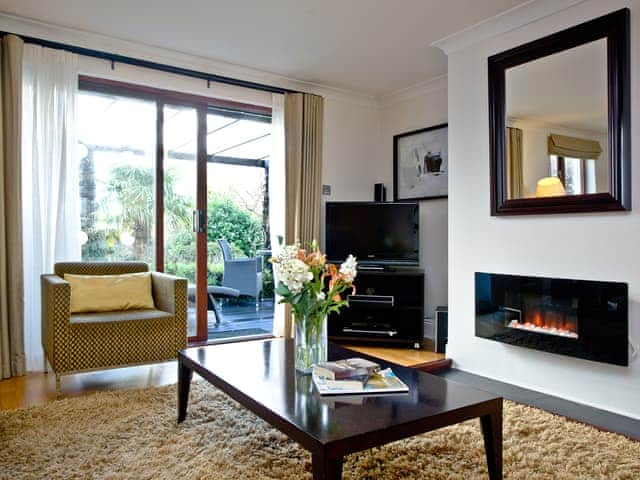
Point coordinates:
[[550, 323]]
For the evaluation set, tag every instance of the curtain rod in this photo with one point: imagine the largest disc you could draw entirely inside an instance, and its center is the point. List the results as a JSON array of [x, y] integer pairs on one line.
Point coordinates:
[[114, 57]]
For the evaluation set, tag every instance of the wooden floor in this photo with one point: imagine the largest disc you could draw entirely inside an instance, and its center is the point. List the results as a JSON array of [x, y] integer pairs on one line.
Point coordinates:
[[602, 419], [424, 359], [40, 388]]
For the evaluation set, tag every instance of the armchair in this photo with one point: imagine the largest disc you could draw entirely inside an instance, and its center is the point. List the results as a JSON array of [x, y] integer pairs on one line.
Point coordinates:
[[76, 342], [242, 274]]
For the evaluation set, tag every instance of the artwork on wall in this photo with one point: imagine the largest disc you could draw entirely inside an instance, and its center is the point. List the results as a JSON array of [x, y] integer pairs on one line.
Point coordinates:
[[421, 164]]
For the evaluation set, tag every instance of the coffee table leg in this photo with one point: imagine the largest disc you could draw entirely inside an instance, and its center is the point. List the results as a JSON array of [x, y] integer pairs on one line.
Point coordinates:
[[184, 384], [325, 468], [492, 433]]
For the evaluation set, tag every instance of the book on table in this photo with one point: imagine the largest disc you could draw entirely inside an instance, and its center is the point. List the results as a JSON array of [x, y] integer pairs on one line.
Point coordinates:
[[343, 369], [375, 382]]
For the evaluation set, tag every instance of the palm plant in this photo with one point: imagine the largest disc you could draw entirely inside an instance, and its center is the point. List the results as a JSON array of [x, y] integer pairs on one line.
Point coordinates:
[[133, 188]]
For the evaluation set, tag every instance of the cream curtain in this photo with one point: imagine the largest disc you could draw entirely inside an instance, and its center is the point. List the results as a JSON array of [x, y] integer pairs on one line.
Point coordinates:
[[565, 146], [303, 117], [51, 197], [12, 359], [515, 175], [277, 192]]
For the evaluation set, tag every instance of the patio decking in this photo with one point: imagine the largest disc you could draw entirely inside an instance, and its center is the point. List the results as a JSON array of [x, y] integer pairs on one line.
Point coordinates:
[[241, 317]]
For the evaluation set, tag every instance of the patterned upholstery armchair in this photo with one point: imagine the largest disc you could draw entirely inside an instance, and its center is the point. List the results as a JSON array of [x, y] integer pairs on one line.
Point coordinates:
[[91, 341]]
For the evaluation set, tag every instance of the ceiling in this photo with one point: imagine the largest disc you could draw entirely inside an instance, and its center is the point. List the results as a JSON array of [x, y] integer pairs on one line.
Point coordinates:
[[369, 46], [566, 89]]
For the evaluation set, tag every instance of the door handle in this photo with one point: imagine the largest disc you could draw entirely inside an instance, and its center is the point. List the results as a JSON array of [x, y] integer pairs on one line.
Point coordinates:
[[199, 222]]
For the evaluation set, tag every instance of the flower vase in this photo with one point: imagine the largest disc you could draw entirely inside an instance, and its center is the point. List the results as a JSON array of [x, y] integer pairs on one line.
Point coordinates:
[[310, 341]]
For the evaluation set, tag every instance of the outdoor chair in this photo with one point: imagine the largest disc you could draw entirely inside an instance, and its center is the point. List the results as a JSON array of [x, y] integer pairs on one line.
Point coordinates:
[[242, 274]]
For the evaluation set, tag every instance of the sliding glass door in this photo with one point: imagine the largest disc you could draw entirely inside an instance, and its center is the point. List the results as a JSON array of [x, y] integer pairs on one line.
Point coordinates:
[[154, 166]]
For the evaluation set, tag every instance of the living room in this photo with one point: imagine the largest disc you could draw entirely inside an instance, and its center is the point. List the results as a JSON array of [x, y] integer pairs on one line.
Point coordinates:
[[403, 69]]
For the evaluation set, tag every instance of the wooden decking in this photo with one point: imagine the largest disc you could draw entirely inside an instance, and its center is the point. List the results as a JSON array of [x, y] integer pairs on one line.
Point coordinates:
[[242, 317]]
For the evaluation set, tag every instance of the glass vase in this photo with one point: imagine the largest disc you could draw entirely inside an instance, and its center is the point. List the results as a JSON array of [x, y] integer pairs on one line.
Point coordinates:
[[310, 341]]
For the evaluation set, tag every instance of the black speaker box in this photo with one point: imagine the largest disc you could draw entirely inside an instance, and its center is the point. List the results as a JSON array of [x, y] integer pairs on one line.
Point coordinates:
[[379, 192], [442, 329]]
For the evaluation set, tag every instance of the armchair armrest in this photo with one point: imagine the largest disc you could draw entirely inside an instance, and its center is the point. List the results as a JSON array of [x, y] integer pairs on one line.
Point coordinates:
[[55, 314], [170, 295]]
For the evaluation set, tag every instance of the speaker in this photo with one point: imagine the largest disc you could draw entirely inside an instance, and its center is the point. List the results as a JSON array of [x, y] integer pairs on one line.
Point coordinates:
[[379, 192], [442, 329]]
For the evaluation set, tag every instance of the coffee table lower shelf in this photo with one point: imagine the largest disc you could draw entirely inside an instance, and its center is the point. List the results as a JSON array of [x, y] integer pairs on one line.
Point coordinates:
[[432, 403]]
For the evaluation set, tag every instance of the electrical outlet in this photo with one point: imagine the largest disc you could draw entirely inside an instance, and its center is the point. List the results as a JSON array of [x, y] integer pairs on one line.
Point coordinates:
[[326, 189]]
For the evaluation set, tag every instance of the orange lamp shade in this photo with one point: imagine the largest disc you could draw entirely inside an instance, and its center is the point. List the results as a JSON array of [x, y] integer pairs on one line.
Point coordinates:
[[549, 187]]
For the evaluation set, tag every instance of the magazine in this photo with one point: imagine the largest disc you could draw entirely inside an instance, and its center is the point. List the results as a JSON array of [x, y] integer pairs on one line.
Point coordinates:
[[383, 381]]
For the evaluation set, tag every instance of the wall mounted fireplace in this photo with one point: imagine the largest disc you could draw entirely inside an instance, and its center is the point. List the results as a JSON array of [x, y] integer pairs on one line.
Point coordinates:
[[578, 318]]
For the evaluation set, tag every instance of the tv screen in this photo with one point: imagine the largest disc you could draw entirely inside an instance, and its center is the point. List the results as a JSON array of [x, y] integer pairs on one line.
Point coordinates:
[[375, 233]]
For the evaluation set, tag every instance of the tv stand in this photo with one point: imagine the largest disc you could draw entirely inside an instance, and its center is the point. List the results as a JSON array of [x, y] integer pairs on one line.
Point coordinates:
[[388, 308]]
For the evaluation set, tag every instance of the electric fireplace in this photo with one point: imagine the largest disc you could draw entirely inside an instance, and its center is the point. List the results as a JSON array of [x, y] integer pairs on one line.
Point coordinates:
[[579, 318]]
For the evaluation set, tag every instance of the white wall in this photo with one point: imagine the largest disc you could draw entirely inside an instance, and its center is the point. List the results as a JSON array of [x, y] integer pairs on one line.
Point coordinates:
[[422, 107], [352, 161], [588, 246]]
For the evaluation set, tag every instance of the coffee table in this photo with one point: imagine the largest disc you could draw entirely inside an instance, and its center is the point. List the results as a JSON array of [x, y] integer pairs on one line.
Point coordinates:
[[261, 377]]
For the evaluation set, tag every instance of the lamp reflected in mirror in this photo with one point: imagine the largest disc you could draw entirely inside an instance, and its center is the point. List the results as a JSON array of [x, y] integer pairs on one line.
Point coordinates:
[[550, 187]]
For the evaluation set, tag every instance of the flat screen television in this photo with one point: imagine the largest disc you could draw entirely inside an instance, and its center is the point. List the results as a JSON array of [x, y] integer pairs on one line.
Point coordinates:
[[375, 233]]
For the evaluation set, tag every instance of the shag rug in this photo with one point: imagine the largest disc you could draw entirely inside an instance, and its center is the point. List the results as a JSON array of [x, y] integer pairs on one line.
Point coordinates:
[[132, 434]]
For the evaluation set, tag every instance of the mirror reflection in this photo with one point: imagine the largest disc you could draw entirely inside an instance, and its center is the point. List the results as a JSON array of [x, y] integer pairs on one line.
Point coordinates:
[[556, 142]]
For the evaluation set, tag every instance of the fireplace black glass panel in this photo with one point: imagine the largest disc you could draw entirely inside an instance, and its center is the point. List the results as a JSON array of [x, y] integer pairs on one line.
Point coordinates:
[[578, 318]]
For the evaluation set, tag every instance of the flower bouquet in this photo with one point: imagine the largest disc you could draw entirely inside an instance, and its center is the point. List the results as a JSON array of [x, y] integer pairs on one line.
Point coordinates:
[[314, 289]]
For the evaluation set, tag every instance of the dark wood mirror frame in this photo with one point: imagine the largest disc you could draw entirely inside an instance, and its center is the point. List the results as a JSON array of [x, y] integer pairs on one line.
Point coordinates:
[[613, 27]]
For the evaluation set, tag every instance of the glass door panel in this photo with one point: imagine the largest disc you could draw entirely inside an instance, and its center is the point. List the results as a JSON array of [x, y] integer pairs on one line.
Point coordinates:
[[180, 201], [237, 209], [117, 159]]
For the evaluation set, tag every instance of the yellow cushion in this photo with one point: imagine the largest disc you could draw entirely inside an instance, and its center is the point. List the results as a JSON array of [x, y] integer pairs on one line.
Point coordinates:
[[108, 293]]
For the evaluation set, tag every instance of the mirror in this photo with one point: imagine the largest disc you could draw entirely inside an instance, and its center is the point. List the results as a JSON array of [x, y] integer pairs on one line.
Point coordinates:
[[559, 119]]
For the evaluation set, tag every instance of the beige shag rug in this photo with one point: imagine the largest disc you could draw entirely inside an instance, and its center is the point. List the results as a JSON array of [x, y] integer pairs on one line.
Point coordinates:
[[132, 434]]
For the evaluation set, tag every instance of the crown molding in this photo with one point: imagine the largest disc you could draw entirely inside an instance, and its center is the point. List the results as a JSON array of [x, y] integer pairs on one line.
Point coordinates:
[[433, 84], [81, 38], [506, 21]]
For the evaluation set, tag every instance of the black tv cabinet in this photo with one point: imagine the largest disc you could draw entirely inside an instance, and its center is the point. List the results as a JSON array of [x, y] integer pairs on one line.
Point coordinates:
[[388, 308]]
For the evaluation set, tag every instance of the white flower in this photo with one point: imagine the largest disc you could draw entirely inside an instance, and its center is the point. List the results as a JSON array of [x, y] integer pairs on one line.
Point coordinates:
[[348, 269], [292, 272], [320, 296]]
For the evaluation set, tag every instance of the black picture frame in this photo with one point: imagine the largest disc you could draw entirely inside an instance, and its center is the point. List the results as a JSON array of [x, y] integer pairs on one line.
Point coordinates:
[[431, 166], [615, 28]]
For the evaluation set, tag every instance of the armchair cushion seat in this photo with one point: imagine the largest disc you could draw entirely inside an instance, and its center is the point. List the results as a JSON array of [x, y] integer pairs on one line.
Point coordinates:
[[120, 316]]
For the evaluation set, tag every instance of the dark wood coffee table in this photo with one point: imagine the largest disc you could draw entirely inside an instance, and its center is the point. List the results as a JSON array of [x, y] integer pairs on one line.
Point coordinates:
[[261, 377]]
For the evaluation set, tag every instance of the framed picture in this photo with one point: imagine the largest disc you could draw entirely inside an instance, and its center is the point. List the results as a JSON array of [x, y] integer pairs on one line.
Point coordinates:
[[421, 164]]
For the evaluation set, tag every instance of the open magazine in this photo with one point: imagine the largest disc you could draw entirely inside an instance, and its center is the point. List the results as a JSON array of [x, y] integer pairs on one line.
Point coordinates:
[[380, 382]]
